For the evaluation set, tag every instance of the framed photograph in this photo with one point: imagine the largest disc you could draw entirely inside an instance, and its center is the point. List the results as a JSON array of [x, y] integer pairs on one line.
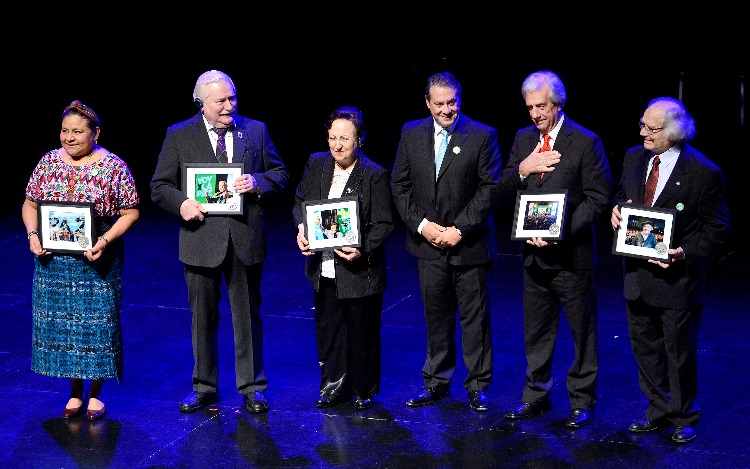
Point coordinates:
[[211, 184], [332, 223], [540, 215], [66, 227], [644, 232]]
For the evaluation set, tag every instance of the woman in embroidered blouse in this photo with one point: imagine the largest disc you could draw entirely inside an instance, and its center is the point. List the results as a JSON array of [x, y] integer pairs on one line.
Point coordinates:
[[76, 298]]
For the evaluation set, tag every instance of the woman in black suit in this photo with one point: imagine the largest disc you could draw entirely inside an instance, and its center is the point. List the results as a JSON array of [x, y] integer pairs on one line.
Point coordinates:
[[348, 281]]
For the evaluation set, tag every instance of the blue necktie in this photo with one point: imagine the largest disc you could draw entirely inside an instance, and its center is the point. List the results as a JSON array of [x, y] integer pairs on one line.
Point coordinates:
[[221, 145], [441, 152]]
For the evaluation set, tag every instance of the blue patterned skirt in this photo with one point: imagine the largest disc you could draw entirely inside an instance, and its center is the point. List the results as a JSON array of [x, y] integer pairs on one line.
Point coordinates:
[[76, 324]]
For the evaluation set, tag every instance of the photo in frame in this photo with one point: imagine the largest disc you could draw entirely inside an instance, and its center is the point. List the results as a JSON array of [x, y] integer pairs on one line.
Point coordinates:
[[212, 184], [644, 232], [66, 227], [540, 215], [332, 223]]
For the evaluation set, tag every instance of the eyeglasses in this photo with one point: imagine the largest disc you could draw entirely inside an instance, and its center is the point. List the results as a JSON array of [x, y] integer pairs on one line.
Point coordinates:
[[651, 130]]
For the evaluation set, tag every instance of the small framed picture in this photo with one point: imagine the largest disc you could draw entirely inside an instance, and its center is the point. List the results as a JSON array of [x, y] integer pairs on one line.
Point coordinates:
[[644, 232], [540, 215], [66, 227], [332, 223], [211, 184]]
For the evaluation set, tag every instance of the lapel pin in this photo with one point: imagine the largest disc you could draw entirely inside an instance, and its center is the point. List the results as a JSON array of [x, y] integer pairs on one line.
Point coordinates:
[[456, 150], [239, 135], [679, 206]]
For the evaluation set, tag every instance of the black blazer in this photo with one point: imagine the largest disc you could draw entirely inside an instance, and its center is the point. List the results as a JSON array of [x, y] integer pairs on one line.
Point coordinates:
[[584, 171], [365, 275], [205, 243], [696, 190], [465, 194]]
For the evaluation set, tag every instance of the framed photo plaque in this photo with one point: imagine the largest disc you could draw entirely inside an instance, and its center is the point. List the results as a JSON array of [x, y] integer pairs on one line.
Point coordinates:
[[644, 232], [332, 223], [211, 185], [66, 227], [540, 215]]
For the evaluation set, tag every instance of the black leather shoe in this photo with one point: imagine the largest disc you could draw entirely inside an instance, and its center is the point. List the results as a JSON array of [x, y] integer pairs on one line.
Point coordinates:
[[579, 418], [645, 425], [683, 434], [479, 401], [255, 402], [363, 403], [329, 400], [426, 396], [527, 410], [198, 400]]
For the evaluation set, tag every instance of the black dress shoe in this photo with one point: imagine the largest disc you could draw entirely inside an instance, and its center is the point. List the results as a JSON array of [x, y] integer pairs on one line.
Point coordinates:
[[529, 409], [426, 396], [198, 400], [330, 400], [255, 402], [579, 418], [645, 425], [363, 403], [479, 401], [683, 434]]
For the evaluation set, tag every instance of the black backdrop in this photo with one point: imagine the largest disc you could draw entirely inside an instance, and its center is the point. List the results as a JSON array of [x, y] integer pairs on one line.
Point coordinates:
[[136, 65]]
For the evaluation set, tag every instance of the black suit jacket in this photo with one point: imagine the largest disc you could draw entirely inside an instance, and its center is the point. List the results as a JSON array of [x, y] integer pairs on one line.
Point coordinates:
[[205, 243], [368, 181], [585, 173], [696, 190], [465, 193]]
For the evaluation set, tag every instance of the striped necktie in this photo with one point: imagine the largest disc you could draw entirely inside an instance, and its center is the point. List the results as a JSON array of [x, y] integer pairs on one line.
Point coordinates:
[[221, 145]]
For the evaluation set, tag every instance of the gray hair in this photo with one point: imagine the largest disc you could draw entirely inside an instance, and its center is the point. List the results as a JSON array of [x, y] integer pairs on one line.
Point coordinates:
[[211, 76], [536, 82], [678, 124]]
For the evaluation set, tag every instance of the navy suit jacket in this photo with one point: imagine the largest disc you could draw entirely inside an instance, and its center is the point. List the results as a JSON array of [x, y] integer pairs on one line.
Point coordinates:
[[205, 243], [585, 173], [465, 193], [696, 190], [368, 181]]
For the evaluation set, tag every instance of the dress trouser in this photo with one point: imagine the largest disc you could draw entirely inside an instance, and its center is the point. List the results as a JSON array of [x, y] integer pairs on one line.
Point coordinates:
[[665, 346], [446, 287], [347, 335], [545, 291], [204, 292]]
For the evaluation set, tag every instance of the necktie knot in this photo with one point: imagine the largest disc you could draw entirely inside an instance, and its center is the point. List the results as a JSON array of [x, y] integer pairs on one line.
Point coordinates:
[[220, 131], [546, 146]]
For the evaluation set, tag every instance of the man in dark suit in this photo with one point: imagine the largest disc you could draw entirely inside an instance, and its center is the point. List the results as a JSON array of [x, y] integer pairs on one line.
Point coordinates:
[[665, 299], [212, 246], [559, 273], [447, 208]]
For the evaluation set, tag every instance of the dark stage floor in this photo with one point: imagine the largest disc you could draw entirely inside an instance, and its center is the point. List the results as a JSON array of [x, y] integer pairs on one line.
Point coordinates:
[[144, 429]]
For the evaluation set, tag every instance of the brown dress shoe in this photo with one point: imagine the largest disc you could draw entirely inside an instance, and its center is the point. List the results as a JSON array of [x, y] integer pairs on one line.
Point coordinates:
[[69, 412]]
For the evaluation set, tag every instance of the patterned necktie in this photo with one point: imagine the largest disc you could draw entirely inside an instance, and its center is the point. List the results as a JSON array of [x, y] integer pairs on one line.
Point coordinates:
[[653, 178], [221, 145], [441, 152], [545, 147]]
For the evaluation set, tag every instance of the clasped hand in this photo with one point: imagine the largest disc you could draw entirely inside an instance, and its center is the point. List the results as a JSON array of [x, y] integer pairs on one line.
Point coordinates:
[[441, 236]]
